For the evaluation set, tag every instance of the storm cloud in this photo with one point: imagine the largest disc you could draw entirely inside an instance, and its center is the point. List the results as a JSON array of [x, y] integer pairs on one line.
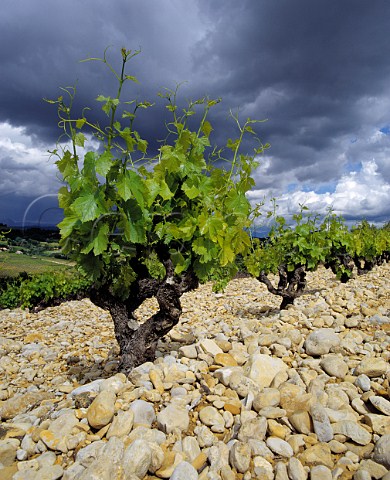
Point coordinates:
[[317, 71]]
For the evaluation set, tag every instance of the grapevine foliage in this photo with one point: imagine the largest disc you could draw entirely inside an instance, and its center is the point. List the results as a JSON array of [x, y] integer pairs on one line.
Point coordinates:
[[40, 290], [140, 225], [125, 212], [292, 250]]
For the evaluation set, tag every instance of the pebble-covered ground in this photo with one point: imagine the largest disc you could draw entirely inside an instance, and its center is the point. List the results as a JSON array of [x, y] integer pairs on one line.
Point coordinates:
[[239, 390]]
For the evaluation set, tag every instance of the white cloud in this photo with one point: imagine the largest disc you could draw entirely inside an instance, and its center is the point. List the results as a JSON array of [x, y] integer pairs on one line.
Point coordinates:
[[358, 194], [28, 169]]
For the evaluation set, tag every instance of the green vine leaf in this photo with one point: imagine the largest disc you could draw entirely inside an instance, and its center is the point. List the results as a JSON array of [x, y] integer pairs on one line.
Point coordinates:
[[88, 207]]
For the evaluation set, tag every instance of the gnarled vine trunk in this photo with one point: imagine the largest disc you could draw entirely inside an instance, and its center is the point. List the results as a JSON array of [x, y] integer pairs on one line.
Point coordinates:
[[363, 265], [138, 342], [342, 260], [291, 284]]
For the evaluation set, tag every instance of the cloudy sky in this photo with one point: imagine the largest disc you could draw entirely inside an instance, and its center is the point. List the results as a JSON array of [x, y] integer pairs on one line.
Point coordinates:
[[318, 71]]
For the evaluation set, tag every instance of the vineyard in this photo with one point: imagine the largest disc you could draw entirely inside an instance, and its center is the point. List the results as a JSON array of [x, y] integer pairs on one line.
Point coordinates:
[[279, 368], [140, 226]]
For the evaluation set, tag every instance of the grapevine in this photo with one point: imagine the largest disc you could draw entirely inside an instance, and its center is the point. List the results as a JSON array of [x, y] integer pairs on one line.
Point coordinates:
[[140, 225]]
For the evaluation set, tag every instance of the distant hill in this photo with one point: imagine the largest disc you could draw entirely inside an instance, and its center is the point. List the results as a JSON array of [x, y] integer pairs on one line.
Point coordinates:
[[40, 233]]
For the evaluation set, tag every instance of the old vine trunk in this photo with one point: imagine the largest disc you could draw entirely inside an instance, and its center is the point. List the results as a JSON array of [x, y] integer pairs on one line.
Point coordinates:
[[138, 341], [291, 284]]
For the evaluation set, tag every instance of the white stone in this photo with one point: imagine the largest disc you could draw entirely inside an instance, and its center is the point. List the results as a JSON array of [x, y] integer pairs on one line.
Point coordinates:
[[224, 374], [137, 458], [173, 417], [353, 431], [280, 447], [281, 471], [240, 456], [184, 471], [334, 366], [363, 382], [321, 423], [55, 437], [114, 384], [144, 414], [320, 472], [382, 451], [321, 341], [210, 416], [92, 387], [218, 456], [381, 404], [262, 369], [210, 347], [91, 452], [255, 428], [295, 470], [262, 469], [191, 448], [189, 351], [204, 436], [122, 424]]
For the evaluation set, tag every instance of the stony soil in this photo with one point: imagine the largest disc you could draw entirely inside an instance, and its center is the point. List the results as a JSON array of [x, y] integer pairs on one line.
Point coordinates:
[[238, 389]]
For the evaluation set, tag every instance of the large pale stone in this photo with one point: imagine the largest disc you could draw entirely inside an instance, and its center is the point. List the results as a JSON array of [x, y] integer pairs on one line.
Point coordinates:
[[102, 409], [353, 431], [87, 455], [382, 451], [204, 436], [184, 471], [280, 447], [295, 470], [210, 347], [334, 366], [269, 397], [218, 456], [381, 404], [263, 469], [321, 341], [173, 417], [92, 387], [225, 373], [375, 470], [318, 454], [122, 424], [262, 369], [210, 416], [108, 465], [144, 414], [255, 428], [137, 458], [20, 404], [321, 423], [240, 456], [380, 424], [8, 449], [55, 437], [114, 384], [149, 434], [372, 367], [191, 448], [320, 472]]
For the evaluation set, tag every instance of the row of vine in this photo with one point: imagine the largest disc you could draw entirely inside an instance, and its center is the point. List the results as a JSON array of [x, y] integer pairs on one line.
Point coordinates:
[[142, 225]]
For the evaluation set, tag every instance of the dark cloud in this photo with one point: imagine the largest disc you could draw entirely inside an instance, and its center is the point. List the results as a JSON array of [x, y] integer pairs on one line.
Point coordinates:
[[318, 71]]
